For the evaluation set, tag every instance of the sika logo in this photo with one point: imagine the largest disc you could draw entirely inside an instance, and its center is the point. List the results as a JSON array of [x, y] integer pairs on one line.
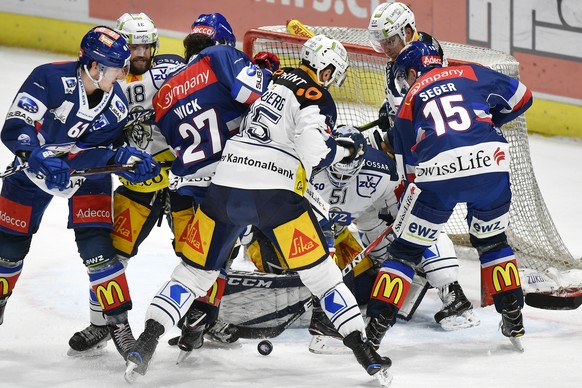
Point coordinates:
[[301, 245], [498, 156], [193, 239], [122, 226]]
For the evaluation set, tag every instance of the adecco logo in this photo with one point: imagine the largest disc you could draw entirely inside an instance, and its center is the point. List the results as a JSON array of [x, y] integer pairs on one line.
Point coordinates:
[[428, 60]]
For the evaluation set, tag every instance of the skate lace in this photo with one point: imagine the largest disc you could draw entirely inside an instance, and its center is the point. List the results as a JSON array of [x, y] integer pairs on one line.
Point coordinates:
[[123, 336], [93, 332]]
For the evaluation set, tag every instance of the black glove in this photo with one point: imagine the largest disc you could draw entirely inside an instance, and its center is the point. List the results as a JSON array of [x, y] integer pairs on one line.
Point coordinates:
[[383, 117]]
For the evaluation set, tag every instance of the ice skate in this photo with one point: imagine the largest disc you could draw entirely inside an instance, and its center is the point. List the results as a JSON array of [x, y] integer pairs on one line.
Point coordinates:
[[377, 327], [2, 308], [89, 341], [139, 358], [374, 364], [121, 334], [326, 339], [511, 324], [192, 336], [457, 312]]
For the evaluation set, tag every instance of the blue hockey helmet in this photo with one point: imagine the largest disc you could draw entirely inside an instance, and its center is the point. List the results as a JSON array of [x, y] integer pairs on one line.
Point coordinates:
[[422, 57], [104, 46], [215, 26]]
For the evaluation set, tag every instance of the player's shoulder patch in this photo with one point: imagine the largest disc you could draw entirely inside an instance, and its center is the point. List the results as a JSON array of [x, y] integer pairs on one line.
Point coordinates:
[[167, 59]]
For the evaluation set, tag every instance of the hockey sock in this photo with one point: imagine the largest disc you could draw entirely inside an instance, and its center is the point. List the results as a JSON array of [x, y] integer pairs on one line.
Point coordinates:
[[500, 275], [9, 273]]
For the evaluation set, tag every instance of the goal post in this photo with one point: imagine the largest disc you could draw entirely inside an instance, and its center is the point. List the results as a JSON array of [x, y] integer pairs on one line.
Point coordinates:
[[531, 233]]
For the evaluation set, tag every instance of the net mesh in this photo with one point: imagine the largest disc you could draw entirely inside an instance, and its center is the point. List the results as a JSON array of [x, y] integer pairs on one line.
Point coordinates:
[[531, 233]]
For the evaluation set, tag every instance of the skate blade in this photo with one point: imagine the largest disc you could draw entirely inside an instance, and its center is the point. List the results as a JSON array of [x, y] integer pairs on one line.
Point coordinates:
[[327, 345], [466, 320], [384, 377], [517, 345], [95, 351], [130, 374], [182, 356]]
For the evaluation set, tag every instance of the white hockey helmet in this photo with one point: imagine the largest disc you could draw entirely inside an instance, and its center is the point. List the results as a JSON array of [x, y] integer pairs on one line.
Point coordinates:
[[138, 28], [388, 20], [321, 51]]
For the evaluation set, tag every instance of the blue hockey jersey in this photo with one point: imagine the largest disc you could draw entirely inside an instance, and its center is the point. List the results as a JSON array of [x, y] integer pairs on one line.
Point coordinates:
[[202, 105], [448, 125], [52, 109]]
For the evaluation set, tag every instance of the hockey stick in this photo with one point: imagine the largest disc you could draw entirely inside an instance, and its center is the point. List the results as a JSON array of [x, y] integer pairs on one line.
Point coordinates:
[[360, 256], [560, 301], [369, 125], [295, 27], [84, 171], [274, 331]]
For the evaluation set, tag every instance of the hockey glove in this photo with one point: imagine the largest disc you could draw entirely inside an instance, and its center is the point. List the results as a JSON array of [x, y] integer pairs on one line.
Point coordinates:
[[267, 60], [384, 118], [144, 166], [56, 172], [353, 140]]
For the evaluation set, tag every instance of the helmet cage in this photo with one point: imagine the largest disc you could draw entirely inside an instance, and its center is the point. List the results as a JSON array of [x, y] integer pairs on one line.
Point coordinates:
[[340, 173]]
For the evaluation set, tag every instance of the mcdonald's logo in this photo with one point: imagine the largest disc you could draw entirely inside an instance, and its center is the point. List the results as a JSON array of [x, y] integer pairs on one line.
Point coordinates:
[[508, 274], [107, 292], [389, 289], [5, 286]]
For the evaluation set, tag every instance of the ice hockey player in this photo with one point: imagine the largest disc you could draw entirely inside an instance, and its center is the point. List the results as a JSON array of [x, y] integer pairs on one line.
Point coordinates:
[[138, 206], [69, 116], [391, 26], [261, 180], [458, 157], [197, 110]]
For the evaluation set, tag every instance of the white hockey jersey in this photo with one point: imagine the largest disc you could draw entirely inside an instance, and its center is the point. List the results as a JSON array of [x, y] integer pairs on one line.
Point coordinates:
[[376, 186], [285, 135], [143, 134]]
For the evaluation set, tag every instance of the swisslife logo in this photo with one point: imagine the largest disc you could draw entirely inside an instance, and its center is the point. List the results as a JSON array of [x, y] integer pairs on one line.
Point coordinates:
[[465, 161]]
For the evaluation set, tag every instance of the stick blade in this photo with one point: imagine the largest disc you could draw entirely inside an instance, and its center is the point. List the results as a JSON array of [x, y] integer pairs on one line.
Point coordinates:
[[553, 302]]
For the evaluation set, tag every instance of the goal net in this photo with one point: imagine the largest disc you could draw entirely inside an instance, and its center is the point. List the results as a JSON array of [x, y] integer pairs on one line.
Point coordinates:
[[531, 233]]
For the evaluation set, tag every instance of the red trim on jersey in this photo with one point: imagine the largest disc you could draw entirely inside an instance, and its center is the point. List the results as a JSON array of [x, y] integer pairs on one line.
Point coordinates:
[[192, 79]]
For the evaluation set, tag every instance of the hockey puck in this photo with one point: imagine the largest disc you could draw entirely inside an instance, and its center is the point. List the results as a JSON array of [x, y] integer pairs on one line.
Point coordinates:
[[265, 347]]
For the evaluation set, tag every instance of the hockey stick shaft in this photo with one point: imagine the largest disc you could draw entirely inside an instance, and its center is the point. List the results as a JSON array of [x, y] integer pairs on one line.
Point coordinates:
[[272, 332], [369, 125], [82, 172], [360, 256]]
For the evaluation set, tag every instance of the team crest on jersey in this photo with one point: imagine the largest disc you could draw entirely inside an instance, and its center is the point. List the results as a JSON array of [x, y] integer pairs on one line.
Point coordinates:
[[62, 112], [70, 84], [367, 184]]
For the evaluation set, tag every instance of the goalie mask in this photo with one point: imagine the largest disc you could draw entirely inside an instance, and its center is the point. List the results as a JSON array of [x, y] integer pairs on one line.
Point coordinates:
[[216, 27], [388, 21], [340, 173], [321, 51], [419, 56]]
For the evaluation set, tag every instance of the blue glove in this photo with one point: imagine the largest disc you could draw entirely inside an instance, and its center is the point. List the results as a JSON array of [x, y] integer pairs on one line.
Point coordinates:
[[56, 172], [352, 139], [144, 166]]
